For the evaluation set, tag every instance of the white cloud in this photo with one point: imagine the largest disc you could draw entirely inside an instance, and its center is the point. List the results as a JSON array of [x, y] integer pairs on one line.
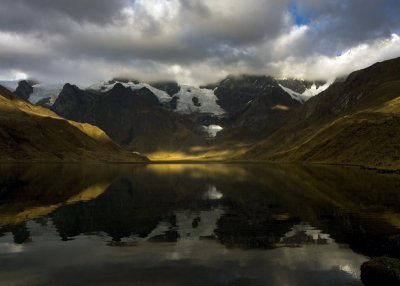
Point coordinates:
[[355, 58], [13, 75], [192, 41], [285, 43]]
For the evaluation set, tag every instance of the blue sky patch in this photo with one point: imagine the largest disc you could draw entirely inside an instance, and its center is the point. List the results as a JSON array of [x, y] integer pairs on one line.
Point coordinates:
[[299, 18]]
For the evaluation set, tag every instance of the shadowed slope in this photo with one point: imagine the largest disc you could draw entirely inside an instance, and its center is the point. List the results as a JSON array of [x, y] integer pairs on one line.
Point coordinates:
[[134, 119], [355, 122], [33, 133]]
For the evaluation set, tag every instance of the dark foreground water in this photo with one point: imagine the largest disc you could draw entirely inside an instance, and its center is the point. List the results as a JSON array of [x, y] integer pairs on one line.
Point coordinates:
[[194, 224]]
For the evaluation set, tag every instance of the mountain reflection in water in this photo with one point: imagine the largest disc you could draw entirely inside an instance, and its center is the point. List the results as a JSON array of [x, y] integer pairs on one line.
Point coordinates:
[[200, 224]]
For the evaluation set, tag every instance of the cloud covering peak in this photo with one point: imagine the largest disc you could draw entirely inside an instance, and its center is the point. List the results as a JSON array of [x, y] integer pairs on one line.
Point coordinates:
[[193, 41]]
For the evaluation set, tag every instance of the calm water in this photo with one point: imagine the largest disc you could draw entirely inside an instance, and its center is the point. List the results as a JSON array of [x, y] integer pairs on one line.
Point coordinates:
[[194, 224]]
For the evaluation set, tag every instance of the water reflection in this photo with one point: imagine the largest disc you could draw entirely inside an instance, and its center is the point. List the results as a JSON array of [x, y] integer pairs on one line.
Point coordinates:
[[193, 224]]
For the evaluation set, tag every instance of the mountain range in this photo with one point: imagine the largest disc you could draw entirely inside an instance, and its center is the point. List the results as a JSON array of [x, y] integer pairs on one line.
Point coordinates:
[[248, 117]]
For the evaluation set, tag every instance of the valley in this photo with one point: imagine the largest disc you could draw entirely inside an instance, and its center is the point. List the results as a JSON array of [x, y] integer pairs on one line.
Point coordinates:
[[200, 142], [30, 133], [354, 121]]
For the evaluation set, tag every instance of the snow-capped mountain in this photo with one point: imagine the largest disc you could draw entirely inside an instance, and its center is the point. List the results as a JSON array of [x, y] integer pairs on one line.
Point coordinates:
[[295, 95], [184, 99], [134, 118], [45, 93], [316, 89], [192, 99], [213, 130], [131, 111], [307, 94], [36, 93], [302, 90], [255, 105], [188, 100], [162, 96]]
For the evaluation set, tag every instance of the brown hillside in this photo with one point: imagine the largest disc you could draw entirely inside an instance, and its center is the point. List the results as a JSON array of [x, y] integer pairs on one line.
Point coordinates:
[[355, 122], [33, 133]]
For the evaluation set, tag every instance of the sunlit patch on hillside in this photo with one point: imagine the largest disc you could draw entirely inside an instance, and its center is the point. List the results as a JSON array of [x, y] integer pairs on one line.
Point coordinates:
[[201, 153], [200, 171], [281, 107]]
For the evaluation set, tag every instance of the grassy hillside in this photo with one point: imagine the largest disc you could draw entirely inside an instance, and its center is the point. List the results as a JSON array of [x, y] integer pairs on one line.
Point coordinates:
[[355, 122], [33, 133]]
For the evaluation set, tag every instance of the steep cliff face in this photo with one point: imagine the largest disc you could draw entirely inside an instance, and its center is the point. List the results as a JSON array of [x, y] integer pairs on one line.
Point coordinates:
[[258, 106], [24, 90], [33, 133], [133, 118], [235, 92]]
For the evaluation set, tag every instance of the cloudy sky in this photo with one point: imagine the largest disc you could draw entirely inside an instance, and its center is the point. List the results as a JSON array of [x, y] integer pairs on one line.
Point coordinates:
[[193, 41]]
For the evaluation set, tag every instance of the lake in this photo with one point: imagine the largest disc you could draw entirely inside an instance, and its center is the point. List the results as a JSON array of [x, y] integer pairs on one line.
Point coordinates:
[[194, 224]]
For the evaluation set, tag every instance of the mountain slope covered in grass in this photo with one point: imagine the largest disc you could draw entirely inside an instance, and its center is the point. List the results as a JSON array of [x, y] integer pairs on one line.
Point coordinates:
[[354, 122], [33, 133]]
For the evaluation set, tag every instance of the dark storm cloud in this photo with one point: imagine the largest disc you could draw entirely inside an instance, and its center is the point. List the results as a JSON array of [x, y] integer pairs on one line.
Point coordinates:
[[192, 40], [234, 22], [44, 15]]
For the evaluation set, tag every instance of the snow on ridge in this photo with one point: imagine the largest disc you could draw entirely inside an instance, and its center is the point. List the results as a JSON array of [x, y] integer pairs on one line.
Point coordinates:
[[295, 95], [104, 87], [207, 101], [100, 86], [213, 130], [314, 90], [308, 93], [162, 95], [43, 91], [190, 99]]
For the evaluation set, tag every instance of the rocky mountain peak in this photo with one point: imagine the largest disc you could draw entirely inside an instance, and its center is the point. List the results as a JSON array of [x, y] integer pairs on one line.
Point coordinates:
[[24, 90], [118, 88]]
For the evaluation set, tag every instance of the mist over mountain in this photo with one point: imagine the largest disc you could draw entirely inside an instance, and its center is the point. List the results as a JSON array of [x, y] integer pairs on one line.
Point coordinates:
[[271, 119], [200, 80]]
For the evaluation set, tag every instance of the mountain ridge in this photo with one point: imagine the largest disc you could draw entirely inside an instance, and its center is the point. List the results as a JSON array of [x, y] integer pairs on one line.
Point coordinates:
[[127, 116], [354, 122], [33, 133], [247, 117]]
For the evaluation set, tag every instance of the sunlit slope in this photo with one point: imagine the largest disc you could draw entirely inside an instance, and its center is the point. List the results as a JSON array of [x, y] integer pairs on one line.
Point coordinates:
[[369, 138], [33, 133], [356, 122]]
